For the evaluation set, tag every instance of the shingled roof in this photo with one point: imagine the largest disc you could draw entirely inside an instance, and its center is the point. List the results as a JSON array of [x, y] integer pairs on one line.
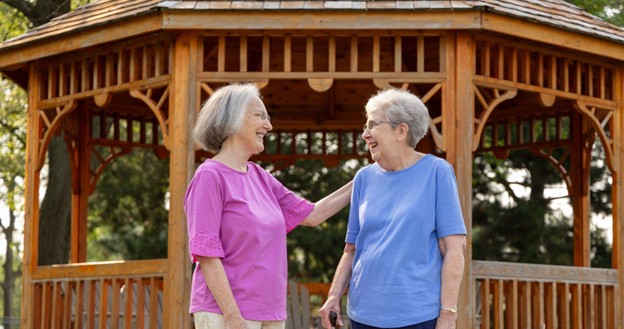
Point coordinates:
[[556, 13]]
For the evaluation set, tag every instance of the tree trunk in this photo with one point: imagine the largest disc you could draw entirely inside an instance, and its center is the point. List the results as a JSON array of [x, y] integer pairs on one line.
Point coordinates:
[[55, 212], [10, 275]]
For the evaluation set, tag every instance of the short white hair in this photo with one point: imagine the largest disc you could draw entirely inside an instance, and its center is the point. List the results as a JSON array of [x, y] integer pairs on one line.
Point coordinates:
[[222, 115], [402, 106]]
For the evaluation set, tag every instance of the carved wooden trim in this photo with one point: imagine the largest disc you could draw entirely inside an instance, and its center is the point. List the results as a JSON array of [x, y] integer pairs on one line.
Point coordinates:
[[156, 108], [51, 120], [489, 102], [600, 119]]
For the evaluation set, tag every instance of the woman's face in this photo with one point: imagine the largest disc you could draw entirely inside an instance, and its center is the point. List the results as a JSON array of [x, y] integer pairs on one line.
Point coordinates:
[[380, 136], [256, 125]]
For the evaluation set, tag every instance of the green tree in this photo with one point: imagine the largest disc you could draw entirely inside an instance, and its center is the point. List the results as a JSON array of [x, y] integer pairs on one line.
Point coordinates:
[[509, 198], [610, 10], [314, 252], [128, 211], [12, 155], [13, 141]]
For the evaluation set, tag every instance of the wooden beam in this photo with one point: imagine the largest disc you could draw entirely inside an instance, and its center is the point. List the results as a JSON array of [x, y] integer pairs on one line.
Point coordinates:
[[617, 193], [458, 117], [182, 165], [326, 20], [31, 202], [80, 197]]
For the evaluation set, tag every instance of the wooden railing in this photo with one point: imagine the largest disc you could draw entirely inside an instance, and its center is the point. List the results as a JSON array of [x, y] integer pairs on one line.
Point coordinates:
[[99, 295], [510, 295]]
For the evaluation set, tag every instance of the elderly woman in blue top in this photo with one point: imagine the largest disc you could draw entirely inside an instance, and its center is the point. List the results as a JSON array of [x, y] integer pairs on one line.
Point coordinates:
[[403, 260]]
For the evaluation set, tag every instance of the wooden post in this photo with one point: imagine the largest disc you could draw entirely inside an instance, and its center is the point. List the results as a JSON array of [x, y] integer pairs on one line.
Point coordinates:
[[31, 203], [579, 173], [458, 129], [617, 197], [80, 196], [182, 106]]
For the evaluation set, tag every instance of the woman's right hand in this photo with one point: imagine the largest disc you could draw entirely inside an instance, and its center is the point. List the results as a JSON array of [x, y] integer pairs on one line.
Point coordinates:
[[330, 305]]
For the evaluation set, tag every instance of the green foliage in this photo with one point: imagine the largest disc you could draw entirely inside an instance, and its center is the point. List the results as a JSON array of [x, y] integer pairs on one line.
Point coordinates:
[[611, 11], [12, 22], [128, 212], [514, 220], [12, 155], [314, 252]]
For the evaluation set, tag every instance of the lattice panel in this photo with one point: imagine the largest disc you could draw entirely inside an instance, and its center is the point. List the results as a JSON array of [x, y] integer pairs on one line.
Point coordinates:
[[312, 56], [528, 130], [105, 70], [538, 67], [124, 129]]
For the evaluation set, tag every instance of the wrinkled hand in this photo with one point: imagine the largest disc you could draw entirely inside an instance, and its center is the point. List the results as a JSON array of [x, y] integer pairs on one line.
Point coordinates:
[[446, 321], [329, 306], [235, 322]]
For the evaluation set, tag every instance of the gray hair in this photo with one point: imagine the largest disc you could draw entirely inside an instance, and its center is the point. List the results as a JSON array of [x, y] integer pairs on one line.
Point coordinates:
[[402, 106], [222, 115]]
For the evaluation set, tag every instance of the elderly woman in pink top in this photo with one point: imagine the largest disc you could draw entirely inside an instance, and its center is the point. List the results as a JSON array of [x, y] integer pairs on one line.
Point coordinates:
[[239, 215]]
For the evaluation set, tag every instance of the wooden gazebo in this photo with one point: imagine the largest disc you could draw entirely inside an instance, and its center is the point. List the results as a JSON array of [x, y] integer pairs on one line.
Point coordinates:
[[494, 74]]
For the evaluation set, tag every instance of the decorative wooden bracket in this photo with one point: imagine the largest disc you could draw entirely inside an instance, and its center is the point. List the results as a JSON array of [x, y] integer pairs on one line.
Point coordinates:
[[156, 108], [51, 121], [489, 105], [320, 85], [599, 119], [434, 122]]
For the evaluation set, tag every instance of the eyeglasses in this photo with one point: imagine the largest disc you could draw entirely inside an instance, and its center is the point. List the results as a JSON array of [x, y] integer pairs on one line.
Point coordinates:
[[374, 123], [263, 116]]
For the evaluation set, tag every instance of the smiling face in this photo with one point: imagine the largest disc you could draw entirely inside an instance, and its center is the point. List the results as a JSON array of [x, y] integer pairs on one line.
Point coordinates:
[[256, 124], [380, 136]]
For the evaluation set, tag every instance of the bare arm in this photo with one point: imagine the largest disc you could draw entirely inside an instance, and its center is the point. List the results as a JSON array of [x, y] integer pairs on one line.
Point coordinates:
[[452, 248], [217, 282], [329, 205], [338, 287]]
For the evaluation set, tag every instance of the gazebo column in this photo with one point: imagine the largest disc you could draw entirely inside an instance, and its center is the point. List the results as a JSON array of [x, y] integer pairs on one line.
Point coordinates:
[[31, 190], [182, 108], [580, 158], [458, 128], [81, 189], [617, 196]]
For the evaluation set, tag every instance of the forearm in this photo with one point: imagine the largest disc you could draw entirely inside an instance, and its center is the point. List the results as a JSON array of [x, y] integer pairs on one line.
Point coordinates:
[[329, 205], [452, 272], [338, 287], [219, 285], [342, 276]]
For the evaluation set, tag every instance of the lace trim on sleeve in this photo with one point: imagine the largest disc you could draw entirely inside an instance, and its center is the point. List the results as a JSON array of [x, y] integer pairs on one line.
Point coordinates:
[[205, 245], [295, 215]]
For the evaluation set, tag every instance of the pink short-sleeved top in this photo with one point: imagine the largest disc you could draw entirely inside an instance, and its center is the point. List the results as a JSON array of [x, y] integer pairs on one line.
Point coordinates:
[[242, 218]]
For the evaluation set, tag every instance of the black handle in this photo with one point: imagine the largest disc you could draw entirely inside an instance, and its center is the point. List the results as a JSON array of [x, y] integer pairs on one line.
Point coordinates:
[[332, 318]]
